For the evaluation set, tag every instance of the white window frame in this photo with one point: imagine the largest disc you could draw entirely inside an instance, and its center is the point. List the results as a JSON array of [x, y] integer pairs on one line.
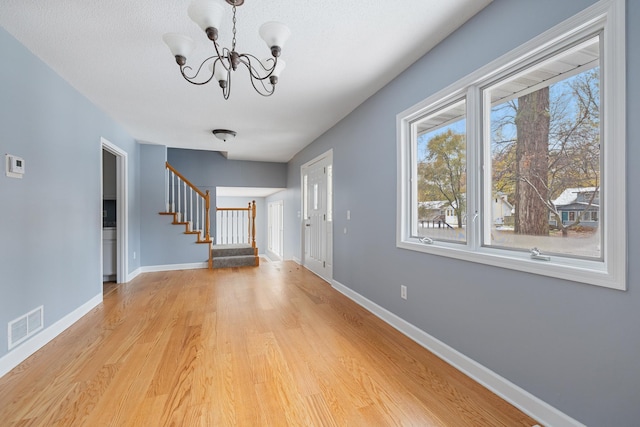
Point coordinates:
[[607, 16]]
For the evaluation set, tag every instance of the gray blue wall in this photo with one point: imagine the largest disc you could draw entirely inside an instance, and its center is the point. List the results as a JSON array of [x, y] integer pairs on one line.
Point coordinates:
[[209, 169], [162, 243], [51, 219], [575, 346]]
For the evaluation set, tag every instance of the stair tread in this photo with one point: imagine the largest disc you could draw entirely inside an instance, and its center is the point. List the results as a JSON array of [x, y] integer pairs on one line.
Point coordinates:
[[235, 257]]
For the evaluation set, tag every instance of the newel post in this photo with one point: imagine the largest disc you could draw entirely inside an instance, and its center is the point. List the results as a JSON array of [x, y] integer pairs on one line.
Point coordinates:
[[253, 224], [207, 207]]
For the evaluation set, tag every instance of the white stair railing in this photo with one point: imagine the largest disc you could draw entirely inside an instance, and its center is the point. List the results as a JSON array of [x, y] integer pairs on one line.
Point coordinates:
[[236, 225]]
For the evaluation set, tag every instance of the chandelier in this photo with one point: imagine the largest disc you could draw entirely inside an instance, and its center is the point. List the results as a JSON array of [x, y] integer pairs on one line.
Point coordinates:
[[208, 14]]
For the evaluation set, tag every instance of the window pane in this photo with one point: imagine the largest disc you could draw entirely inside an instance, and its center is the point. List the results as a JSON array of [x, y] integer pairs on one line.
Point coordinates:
[[315, 197], [439, 208], [305, 189], [545, 156]]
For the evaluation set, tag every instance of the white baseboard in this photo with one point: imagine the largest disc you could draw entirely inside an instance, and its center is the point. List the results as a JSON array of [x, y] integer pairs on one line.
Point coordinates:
[[170, 267], [135, 273], [167, 267], [518, 397], [297, 260], [17, 356], [272, 256]]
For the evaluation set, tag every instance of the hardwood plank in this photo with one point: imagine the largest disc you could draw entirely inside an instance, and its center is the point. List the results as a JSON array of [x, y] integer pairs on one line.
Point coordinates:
[[273, 345]]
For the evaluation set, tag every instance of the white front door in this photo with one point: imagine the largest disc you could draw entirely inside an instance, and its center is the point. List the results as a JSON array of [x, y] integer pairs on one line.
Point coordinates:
[[317, 222]]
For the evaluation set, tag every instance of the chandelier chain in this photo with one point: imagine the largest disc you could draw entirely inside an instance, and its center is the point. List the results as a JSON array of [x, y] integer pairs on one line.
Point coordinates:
[[233, 42]]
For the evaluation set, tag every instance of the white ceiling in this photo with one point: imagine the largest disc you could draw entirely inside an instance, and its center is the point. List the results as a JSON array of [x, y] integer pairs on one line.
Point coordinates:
[[339, 54]]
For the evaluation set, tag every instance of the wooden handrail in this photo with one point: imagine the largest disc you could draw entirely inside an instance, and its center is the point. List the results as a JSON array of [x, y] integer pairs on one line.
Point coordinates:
[[171, 168], [253, 221], [235, 209]]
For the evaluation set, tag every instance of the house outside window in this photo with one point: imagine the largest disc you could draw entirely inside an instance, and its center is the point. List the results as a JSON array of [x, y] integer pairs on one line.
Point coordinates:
[[528, 153]]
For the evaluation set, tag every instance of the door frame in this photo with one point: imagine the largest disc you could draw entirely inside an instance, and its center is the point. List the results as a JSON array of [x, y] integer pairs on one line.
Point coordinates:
[[122, 179], [278, 222], [328, 155]]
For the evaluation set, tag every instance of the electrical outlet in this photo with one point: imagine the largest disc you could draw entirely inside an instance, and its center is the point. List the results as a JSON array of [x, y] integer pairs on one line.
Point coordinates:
[[134, 254], [403, 292]]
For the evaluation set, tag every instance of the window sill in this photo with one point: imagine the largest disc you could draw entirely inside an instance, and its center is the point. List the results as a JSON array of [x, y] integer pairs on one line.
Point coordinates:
[[583, 271]]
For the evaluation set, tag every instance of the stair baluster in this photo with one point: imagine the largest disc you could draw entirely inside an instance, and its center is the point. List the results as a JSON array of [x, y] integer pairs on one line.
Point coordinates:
[[191, 208]]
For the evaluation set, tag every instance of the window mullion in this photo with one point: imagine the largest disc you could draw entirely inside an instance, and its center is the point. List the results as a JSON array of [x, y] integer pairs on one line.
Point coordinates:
[[474, 169]]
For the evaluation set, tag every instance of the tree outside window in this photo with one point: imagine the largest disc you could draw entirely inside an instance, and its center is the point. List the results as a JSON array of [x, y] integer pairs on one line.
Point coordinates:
[[545, 139]]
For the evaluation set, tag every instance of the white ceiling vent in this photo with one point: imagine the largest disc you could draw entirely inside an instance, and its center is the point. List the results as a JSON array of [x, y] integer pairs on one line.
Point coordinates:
[[25, 326]]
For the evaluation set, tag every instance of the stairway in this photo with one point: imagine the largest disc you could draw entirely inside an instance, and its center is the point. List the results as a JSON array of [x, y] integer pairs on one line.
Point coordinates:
[[190, 207], [234, 255]]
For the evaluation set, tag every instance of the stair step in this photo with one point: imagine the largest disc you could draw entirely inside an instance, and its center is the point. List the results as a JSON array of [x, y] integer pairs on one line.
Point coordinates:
[[232, 250], [234, 261]]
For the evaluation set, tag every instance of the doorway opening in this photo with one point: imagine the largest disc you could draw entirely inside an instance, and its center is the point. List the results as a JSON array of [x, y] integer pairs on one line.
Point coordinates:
[[114, 212], [275, 227]]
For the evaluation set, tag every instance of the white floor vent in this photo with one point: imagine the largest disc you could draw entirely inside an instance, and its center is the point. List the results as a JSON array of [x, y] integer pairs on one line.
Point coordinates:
[[25, 326]]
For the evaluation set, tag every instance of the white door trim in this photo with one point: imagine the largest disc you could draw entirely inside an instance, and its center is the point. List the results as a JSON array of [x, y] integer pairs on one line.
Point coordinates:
[[122, 179]]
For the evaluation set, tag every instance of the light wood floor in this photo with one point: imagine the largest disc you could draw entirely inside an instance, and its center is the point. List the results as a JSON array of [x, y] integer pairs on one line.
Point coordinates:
[[266, 346]]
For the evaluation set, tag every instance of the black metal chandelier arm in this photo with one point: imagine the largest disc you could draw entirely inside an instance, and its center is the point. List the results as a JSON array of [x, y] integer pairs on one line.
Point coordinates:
[[191, 79], [226, 90], [225, 54], [245, 58], [265, 90]]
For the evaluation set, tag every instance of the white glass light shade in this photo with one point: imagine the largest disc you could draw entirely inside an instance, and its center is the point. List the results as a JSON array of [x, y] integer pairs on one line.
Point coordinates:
[[180, 45], [224, 134], [206, 13], [274, 33]]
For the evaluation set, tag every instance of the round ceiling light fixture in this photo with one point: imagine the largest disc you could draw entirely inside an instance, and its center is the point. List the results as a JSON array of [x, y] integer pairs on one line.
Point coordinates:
[[224, 134]]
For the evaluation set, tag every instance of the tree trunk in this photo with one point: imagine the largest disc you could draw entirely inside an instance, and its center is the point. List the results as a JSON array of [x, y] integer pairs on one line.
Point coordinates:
[[532, 163]]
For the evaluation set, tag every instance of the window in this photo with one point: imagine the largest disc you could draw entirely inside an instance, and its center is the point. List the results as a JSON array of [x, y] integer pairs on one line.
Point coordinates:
[[522, 164], [544, 143], [440, 153]]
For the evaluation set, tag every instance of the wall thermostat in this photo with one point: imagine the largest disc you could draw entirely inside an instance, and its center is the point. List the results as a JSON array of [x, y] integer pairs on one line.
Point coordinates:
[[15, 166]]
